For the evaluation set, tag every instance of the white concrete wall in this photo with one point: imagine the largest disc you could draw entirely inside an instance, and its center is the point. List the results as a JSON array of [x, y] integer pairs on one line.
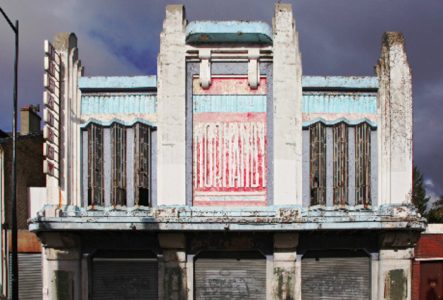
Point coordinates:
[[287, 127], [61, 262], [171, 109], [434, 229], [37, 199], [395, 122]]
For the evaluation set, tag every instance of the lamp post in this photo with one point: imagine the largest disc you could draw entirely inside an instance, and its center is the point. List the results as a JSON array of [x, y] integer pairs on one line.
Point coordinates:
[[14, 263]]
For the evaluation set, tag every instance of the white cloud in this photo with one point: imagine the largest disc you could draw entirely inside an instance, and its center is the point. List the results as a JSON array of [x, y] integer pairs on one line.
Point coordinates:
[[428, 183]]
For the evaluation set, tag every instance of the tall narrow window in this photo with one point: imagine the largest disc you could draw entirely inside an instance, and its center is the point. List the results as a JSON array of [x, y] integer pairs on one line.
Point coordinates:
[[363, 164], [318, 164], [95, 165], [118, 165], [142, 189], [340, 164]]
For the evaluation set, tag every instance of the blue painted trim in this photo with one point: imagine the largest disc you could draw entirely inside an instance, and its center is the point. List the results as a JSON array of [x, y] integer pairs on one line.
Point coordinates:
[[229, 103], [202, 32], [347, 82], [274, 218], [118, 82], [329, 102], [118, 103], [118, 121], [341, 120]]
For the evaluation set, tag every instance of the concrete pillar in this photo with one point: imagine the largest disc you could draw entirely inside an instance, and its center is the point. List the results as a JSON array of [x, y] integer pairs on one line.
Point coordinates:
[[61, 267], [65, 44], [375, 264], [394, 265], [174, 285], [287, 123], [171, 109], [284, 281], [394, 280], [64, 187], [394, 122]]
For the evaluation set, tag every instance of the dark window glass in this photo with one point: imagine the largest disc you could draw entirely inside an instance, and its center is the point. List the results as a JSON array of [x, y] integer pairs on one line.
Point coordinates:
[[340, 164], [118, 164], [318, 164], [142, 166], [363, 164], [95, 165]]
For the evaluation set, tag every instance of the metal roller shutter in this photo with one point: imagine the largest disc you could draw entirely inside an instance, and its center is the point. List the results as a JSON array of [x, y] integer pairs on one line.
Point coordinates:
[[128, 279], [230, 278], [30, 276], [334, 278]]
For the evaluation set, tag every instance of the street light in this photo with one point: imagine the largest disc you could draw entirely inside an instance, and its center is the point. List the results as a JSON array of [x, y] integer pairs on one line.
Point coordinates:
[[14, 264]]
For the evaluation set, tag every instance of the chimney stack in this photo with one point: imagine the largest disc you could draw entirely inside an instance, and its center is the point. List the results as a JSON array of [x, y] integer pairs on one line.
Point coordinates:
[[29, 119]]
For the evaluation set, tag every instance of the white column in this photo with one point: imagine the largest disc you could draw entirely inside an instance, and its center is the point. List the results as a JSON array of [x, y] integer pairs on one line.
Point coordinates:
[[284, 281], [171, 109], [174, 269], [287, 124], [394, 122]]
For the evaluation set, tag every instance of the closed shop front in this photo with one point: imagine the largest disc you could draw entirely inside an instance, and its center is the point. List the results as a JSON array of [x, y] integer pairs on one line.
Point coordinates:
[[225, 275], [124, 278], [29, 266], [30, 276], [336, 275]]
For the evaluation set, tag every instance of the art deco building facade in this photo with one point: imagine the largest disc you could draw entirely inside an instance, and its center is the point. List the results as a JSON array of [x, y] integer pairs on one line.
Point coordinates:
[[229, 174]]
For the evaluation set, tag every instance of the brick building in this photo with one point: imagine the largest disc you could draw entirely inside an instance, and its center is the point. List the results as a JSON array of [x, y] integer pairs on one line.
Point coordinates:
[[229, 173], [29, 174], [427, 269]]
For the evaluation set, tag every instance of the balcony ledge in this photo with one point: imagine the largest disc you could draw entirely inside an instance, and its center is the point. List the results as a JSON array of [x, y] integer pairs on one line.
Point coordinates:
[[187, 218]]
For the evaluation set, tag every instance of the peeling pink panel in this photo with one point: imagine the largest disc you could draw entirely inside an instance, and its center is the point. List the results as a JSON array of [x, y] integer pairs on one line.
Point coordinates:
[[230, 154], [229, 85]]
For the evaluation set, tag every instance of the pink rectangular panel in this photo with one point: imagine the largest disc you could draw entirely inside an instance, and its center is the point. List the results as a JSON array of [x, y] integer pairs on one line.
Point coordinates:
[[229, 86], [230, 153]]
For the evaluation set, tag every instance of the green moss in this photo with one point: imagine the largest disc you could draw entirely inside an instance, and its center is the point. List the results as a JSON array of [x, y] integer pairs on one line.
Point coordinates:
[[285, 284]]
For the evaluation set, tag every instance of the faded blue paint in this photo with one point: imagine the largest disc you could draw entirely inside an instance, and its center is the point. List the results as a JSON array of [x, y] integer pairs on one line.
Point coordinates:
[[121, 103], [340, 82], [235, 219], [344, 120], [229, 103], [118, 82], [200, 32], [118, 121], [331, 102]]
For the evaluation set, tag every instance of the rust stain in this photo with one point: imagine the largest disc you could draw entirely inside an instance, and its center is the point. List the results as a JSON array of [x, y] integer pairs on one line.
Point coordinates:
[[27, 242]]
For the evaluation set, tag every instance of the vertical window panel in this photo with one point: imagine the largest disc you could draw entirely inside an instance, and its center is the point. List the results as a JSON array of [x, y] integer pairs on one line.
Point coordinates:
[[142, 166], [118, 165], [363, 164], [340, 164], [95, 165], [318, 164]]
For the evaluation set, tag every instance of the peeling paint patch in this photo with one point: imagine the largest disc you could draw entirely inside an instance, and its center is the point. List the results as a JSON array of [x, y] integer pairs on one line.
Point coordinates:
[[339, 102], [396, 285]]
